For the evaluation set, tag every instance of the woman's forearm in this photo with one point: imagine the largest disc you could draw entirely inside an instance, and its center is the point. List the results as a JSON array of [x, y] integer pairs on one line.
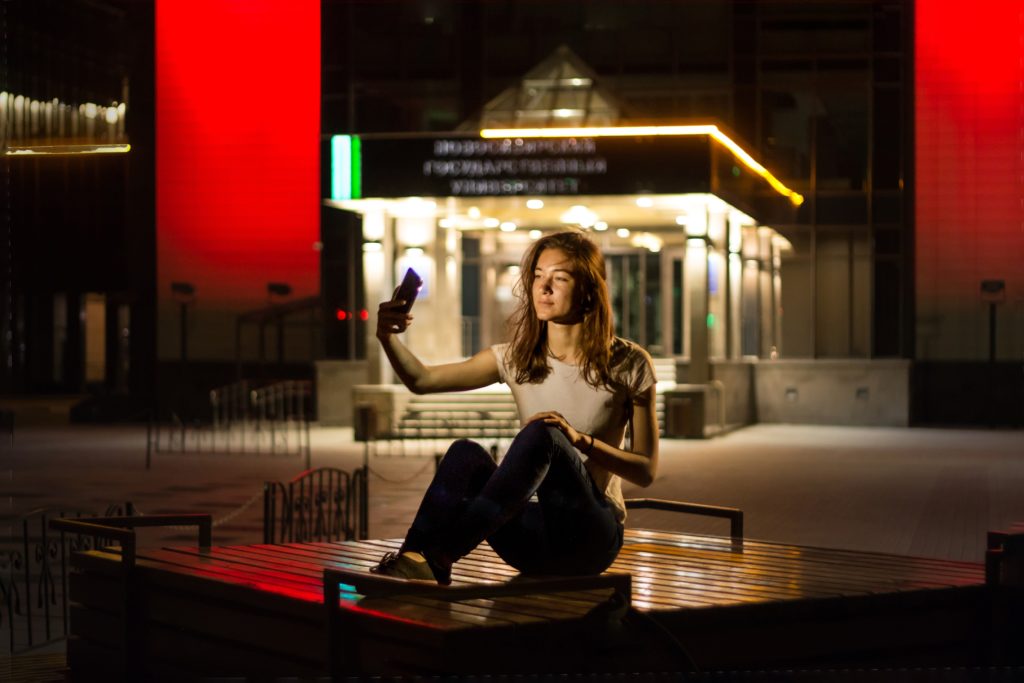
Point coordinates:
[[406, 365], [639, 465], [476, 372], [636, 468]]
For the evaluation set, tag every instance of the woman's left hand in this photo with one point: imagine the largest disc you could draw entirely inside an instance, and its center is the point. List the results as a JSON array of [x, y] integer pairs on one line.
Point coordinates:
[[556, 420]]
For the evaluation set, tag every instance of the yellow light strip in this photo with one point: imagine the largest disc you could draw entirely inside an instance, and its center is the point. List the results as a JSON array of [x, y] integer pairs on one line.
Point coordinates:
[[597, 131], [628, 131], [54, 150]]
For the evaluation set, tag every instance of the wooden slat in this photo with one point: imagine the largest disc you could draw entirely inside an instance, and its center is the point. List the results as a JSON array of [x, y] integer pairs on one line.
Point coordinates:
[[865, 558], [813, 576]]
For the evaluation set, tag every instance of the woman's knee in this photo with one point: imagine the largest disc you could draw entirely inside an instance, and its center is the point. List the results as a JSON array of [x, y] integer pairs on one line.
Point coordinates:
[[467, 453], [539, 434], [538, 443]]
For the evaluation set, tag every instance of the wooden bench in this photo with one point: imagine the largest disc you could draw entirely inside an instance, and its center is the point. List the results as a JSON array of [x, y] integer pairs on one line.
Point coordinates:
[[695, 600], [1004, 574], [1004, 556]]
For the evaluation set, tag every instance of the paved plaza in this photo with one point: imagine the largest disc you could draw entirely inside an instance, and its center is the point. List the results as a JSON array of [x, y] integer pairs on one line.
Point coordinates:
[[926, 492]]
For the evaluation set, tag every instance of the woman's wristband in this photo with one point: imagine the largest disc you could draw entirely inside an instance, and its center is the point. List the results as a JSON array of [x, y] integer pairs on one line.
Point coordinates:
[[589, 447]]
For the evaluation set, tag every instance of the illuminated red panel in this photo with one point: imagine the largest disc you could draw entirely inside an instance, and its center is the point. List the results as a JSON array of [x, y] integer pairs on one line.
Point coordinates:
[[969, 84], [238, 125]]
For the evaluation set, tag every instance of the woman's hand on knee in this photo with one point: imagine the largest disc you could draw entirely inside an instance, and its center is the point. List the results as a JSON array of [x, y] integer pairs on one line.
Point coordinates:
[[556, 420]]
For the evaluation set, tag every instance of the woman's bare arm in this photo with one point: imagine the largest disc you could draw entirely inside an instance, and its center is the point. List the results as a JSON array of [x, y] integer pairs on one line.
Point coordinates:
[[475, 372], [640, 464]]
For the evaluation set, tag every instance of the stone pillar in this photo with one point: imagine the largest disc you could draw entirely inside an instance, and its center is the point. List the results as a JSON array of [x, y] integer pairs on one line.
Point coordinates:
[[696, 270], [434, 252], [378, 269]]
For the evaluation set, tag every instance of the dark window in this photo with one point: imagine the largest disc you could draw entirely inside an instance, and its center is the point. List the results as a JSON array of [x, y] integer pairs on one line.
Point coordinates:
[[843, 209], [888, 297], [886, 208], [888, 139], [887, 242]]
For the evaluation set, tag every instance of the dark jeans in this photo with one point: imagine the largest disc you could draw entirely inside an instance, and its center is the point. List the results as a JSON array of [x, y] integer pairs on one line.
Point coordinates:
[[570, 529]]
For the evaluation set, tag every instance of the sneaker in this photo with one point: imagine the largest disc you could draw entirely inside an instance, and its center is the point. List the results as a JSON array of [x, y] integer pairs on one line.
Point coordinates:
[[404, 566]]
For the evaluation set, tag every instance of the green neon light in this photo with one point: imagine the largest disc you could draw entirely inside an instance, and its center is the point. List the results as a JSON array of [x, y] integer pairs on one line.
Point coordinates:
[[357, 167], [711, 320], [346, 167], [341, 167]]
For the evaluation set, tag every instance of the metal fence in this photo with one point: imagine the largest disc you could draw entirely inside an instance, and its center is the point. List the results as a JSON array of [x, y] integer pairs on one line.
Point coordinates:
[[34, 577], [325, 504], [246, 418]]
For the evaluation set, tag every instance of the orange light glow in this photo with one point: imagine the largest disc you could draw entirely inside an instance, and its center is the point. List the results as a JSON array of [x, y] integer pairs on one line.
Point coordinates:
[[710, 130]]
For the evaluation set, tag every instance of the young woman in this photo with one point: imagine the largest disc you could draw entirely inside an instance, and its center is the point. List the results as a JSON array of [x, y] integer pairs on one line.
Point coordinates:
[[577, 388]]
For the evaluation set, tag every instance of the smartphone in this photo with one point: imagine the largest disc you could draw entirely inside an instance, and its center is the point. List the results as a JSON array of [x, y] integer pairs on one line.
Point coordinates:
[[408, 290]]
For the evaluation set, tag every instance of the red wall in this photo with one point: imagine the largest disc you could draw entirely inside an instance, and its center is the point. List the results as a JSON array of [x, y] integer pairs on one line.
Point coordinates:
[[238, 125], [969, 80]]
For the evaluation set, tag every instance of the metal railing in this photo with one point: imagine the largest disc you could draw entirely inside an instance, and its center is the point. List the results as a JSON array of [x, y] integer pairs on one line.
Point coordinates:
[[120, 529], [733, 515], [231, 403], [34, 576], [325, 504], [246, 418]]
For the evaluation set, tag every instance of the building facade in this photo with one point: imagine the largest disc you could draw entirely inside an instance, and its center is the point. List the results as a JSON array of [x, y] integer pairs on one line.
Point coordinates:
[[818, 93], [897, 124]]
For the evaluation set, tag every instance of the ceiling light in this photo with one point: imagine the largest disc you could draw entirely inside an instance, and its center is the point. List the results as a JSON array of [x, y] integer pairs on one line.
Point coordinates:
[[579, 215], [508, 226], [781, 243], [600, 226], [647, 241], [88, 148], [696, 229], [622, 232], [535, 234], [534, 204], [644, 202], [474, 212]]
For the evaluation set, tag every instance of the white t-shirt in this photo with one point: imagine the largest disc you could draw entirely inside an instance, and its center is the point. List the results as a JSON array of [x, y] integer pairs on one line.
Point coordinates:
[[602, 412]]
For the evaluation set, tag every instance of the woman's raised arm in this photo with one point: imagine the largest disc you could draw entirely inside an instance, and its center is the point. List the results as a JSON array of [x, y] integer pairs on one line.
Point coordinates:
[[473, 373]]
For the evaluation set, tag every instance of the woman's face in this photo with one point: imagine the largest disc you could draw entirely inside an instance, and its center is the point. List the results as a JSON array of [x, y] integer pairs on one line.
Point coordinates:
[[553, 286]]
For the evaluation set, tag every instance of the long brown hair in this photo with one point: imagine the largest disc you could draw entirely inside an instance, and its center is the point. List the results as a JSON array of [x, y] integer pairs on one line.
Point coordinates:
[[528, 350]]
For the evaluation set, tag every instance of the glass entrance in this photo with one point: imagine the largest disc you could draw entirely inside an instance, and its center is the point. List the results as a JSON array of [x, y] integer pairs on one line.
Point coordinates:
[[634, 280]]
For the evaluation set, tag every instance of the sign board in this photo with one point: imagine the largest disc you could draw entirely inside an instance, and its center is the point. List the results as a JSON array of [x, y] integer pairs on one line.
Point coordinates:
[[476, 167]]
